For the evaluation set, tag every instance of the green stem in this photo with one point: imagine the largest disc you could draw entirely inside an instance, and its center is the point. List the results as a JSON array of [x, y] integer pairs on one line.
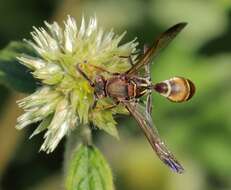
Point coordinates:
[[86, 135], [85, 166], [82, 135]]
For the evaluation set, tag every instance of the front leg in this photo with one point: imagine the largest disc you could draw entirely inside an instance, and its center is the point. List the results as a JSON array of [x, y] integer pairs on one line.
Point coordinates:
[[79, 69], [92, 84]]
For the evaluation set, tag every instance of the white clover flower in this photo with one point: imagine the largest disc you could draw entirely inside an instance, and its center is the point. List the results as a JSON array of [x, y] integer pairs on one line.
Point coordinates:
[[64, 100]]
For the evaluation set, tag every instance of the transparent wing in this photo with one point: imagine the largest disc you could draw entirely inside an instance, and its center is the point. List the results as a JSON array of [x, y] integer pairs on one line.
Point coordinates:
[[145, 122], [161, 42]]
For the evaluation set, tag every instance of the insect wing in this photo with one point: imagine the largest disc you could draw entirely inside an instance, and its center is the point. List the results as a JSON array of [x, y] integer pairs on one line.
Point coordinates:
[[161, 42], [145, 122]]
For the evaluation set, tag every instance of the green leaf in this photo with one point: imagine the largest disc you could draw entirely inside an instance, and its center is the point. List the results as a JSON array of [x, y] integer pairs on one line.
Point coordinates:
[[88, 170], [12, 73]]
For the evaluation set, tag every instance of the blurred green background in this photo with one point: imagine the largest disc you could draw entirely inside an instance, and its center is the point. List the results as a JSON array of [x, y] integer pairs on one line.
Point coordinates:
[[198, 132]]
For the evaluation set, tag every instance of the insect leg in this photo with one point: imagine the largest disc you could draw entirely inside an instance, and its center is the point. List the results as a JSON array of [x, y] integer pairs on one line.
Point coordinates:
[[149, 103], [116, 102], [108, 107], [101, 69], [95, 101], [129, 59], [148, 76], [147, 66], [145, 48], [149, 95], [79, 69]]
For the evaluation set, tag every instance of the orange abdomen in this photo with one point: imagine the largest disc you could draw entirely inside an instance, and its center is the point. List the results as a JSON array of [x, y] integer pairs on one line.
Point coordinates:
[[176, 89]]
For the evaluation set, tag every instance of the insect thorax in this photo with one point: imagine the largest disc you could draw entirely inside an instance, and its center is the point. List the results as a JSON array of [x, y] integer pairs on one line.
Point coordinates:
[[126, 87]]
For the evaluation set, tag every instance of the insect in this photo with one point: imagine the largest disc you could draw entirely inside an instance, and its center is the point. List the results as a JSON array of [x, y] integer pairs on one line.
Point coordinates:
[[126, 89]]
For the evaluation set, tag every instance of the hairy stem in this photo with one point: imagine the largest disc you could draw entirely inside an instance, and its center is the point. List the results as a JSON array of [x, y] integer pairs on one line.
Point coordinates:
[[81, 135], [86, 135]]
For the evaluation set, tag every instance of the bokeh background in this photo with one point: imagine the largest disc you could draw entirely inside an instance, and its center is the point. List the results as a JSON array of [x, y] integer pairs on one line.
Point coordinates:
[[198, 132]]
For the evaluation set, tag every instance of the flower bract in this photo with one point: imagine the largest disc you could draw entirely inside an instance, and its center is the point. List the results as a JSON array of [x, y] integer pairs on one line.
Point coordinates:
[[63, 101]]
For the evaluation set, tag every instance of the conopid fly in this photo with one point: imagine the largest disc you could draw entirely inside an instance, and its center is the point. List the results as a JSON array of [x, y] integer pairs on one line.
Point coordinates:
[[126, 88]]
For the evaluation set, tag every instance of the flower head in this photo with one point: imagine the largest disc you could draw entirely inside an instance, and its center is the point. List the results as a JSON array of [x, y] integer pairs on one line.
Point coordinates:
[[64, 100]]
